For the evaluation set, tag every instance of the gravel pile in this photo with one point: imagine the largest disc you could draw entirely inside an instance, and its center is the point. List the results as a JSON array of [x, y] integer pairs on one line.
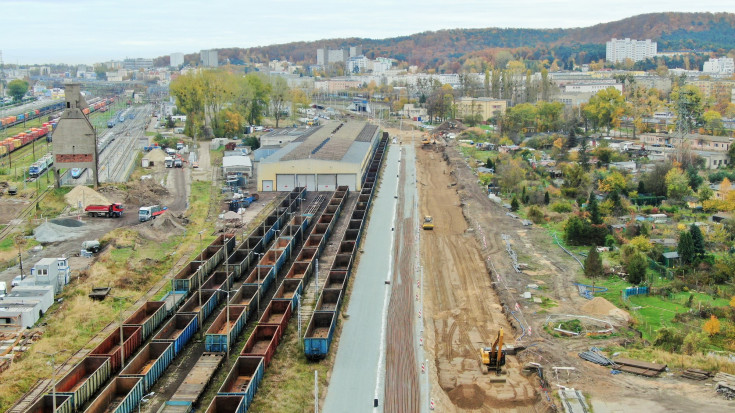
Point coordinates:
[[59, 230], [83, 195]]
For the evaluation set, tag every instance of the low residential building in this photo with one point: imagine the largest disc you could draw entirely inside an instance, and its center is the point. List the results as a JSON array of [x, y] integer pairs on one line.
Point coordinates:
[[486, 107], [693, 140], [722, 65], [412, 112]]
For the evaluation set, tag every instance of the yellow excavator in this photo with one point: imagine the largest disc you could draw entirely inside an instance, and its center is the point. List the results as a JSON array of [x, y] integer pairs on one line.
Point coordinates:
[[494, 357]]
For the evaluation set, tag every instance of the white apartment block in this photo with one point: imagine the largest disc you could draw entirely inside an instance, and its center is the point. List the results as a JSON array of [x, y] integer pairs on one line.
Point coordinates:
[[177, 59], [620, 49], [723, 65], [209, 58]]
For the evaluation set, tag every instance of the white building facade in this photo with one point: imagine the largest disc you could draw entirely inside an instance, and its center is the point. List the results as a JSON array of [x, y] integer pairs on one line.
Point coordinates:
[[620, 49], [723, 65]]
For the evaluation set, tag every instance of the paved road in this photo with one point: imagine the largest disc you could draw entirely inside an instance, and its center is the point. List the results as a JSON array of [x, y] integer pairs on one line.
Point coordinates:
[[358, 376]]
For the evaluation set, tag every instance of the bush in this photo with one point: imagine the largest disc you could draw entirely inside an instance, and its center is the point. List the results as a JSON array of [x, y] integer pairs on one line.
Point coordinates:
[[668, 339], [561, 207], [535, 214]]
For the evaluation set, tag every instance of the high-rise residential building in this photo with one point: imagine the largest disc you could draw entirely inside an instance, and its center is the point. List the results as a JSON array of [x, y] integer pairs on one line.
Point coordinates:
[[723, 65], [177, 59], [209, 58], [321, 57], [355, 51], [336, 56], [620, 49]]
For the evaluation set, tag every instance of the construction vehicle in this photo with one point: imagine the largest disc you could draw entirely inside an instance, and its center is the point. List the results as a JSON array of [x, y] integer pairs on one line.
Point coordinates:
[[109, 211], [494, 357], [148, 213], [428, 223]]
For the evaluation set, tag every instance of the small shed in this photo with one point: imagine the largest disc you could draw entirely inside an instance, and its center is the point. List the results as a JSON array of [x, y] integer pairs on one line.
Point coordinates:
[[671, 258]]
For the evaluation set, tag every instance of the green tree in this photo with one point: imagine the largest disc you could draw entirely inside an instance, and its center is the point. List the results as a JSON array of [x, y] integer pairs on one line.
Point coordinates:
[[712, 120], [694, 179], [697, 240], [677, 184], [584, 157], [547, 199], [593, 263], [17, 88], [514, 205], [605, 108], [705, 193], [279, 96], [252, 142], [636, 268], [594, 210], [686, 248], [731, 154]]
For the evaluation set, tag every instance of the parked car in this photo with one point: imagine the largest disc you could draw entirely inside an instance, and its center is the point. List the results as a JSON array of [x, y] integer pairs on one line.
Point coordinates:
[[16, 281], [195, 164]]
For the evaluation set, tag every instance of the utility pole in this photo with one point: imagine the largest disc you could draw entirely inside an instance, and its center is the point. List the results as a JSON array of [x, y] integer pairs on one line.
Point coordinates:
[[53, 375], [316, 391]]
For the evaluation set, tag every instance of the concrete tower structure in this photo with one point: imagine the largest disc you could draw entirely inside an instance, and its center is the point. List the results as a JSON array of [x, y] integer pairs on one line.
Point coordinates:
[[75, 140]]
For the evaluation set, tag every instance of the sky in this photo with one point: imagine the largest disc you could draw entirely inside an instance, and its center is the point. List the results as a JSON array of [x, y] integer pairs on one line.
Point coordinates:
[[90, 31]]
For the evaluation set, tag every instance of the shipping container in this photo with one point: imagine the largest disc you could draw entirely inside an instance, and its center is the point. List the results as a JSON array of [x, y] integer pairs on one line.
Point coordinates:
[[150, 363], [278, 313], [244, 379], [230, 322], [318, 335], [261, 276], [227, 404], [110, 346], [122, 395], [289, 290], [46, 404], [262, 343], [83, 381], [188, 278], [202, 303], [329, 300], [178, 331], [149, 317]]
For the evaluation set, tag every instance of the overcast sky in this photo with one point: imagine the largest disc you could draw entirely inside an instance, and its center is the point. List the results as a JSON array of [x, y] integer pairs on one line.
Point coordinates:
[[88, 31]]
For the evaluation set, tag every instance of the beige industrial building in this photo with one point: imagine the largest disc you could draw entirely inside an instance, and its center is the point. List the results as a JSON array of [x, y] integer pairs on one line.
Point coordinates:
[[325, 157]]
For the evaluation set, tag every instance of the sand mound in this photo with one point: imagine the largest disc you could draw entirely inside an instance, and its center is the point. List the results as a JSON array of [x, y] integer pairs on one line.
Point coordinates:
[[161, 228], [84, 196], [601, 306], [157, 156], [467, 396], [167, 222]]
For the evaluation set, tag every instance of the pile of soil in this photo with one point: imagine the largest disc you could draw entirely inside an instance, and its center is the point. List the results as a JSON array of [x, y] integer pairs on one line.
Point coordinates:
[[601, 306], [84, 196], [449, 127], [161, 228], [467, 396], [156, 156], [145, 192]]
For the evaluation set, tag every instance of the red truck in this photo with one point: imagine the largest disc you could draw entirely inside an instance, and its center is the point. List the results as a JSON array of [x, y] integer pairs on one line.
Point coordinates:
[[109, 211]]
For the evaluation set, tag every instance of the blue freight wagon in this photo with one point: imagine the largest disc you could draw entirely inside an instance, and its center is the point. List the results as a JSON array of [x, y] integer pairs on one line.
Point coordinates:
[[226, 327], [176, 406], [261, 276], [244, 378], [188, 278], [202, 303], [178, 331], [149, 317], [318, 337], [150, 363], [289, 290]]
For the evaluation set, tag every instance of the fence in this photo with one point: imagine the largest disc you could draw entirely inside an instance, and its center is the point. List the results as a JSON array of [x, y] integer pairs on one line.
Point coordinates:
[[630, 291], [665, 272]]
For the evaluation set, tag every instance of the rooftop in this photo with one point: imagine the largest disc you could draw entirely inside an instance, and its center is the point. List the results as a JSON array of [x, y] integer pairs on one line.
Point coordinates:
[[333, 141], [237, 160]]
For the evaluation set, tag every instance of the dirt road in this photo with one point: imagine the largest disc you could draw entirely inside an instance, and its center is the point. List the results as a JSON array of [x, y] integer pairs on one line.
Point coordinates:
[[463, 313]]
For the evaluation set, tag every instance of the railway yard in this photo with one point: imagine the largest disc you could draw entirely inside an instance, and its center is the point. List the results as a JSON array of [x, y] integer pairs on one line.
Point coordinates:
[[342, 282]]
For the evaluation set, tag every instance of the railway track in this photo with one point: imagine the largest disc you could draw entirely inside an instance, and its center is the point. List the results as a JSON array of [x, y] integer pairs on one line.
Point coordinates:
[[22, 215]]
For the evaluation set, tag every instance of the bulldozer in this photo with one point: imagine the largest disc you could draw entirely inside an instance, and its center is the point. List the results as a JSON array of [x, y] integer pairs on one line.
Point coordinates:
[[428, 223], [494, 357]]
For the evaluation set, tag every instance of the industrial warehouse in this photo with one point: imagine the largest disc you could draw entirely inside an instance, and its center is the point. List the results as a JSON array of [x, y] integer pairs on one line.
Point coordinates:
[[322, 158]]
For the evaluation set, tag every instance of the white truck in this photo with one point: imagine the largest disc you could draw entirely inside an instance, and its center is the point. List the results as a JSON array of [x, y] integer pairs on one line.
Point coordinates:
[[168, 161]]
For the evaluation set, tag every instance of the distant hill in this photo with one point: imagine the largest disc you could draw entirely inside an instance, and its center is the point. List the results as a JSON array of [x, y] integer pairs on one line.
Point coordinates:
[[448, 48]]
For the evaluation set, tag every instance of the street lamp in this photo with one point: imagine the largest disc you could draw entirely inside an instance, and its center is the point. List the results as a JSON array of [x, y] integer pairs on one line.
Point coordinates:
[[201, 259], [227, 317], [53, 374], [122, 338], [257, 273]]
